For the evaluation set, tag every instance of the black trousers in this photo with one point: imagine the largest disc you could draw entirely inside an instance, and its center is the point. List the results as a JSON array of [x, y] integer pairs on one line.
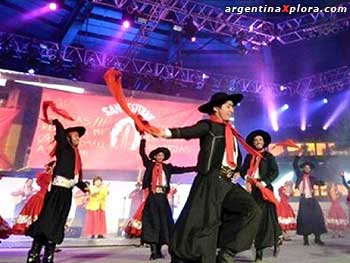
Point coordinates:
[[240, 220]]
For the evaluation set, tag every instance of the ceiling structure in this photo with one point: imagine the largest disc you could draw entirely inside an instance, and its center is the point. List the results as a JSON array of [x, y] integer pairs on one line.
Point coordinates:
[[296, 54]]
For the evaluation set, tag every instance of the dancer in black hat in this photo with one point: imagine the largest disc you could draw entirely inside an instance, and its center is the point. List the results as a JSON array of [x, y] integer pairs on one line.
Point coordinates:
[[157, 220], [265, 170], [310, 218], [48, 230], [217, 212]]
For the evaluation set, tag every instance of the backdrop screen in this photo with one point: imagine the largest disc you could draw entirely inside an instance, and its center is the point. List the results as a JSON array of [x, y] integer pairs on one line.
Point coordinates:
[[111, 140]]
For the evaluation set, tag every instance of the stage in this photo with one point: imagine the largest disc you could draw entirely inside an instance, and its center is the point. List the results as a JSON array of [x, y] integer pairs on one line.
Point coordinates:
[[120, 250]]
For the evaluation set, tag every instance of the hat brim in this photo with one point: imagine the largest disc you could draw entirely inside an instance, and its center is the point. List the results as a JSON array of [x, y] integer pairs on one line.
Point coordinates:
[[79, 129], [312, 166], [266, 136], [208, 107], [164, 150]]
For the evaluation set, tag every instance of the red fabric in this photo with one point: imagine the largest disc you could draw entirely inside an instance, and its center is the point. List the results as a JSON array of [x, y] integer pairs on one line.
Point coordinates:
[[5, 229], [254, 165], [113, 80], [156, 176], [266, 193], [32, 208], [95, 223], [52, 105], [231, 132], [77, 163], [287, 143], [134, 226], [7, 116], [337, 219], [285, 212]]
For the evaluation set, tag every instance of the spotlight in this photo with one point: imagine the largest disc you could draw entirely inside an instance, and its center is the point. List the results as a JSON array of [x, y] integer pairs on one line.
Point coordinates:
[[193, 39], [31, 71], [303, 128], [126, 24], [285, 107], [325, 127], [325, 100], [177, 28], [53, 6], [190, 29], [282, 88], [205, 76]]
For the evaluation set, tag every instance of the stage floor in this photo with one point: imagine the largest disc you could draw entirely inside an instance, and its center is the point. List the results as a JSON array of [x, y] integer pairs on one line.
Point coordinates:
[[335, 251]]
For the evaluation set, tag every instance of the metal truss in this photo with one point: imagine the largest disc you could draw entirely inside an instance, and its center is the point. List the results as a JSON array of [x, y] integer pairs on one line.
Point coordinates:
[[49, 51], [329, 81], [208, 18], [313, 25]]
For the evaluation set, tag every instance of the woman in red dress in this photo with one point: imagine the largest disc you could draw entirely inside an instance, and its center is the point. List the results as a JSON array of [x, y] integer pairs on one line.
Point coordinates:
[[32, 208], [286, 215], [134, 225], [5, 229], [337, 219]]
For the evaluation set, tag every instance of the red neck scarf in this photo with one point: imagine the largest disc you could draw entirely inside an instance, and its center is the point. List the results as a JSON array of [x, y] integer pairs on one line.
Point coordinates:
[[77, 163], [230, 133], [306, 182], [254, 164], [157, 173]]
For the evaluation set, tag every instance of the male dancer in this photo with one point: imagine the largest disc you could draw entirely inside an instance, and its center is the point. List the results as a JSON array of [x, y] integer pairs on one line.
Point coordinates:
[[48, 230], [265, 170], [310, 218], [157, 220], [217, 213]]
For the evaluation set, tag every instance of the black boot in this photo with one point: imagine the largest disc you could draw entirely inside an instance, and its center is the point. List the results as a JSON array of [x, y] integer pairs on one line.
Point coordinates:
[[34, 252], [277, 247], [225, 256], [175, 259], [153, 252], [50, 247], [159, 251], [306, 240], [258, 255], [318, 240]]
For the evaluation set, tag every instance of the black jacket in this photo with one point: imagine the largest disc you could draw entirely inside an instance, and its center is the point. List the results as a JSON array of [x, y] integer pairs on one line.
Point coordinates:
[[168, 168], [299, 174], [65, 156], [268, 169], [212, 144]]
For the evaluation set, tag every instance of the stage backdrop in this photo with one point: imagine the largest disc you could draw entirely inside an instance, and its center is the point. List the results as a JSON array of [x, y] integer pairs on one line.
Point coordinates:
[[111, 141]]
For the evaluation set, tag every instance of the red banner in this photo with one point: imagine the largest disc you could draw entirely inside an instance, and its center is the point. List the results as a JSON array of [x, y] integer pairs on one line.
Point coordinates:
[[111, 140], [7, 116]]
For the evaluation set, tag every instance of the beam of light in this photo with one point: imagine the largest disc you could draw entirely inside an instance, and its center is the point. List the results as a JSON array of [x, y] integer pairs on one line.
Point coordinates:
[[53, 86], [325, 100], [274, 120], [303, 115], [284, 107], [341, 107]]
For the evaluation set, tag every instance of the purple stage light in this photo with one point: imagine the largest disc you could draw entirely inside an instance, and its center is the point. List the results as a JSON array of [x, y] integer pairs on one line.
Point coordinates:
[[126, 24], [325, 101], [31, 71], [193, 39], [53, 6], [303, 115]]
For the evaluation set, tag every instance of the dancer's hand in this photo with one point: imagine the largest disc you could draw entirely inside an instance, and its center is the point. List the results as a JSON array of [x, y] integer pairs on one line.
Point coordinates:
[[259, 185], [342, 173], [159, 134], [301, 151]]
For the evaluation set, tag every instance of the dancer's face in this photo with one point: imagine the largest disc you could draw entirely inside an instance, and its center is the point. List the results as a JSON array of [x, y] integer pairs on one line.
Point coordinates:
[[258, 142], [98, 183], [159, 157], [307, 169], [224, 111], [74, 138]]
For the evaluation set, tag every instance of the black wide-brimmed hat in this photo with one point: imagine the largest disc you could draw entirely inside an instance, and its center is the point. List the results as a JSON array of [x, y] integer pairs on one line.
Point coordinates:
[[218, 99], [164, 150], [266, 136], [79, 129], [312, 166]]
